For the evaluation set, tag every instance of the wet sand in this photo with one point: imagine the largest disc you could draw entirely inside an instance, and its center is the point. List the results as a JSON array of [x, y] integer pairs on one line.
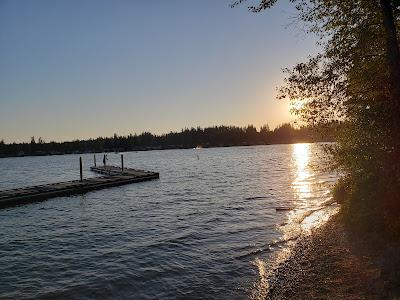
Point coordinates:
[[334, 264]]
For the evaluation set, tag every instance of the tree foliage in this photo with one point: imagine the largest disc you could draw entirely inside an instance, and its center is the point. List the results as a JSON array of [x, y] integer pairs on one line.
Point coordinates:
[[354, 80]]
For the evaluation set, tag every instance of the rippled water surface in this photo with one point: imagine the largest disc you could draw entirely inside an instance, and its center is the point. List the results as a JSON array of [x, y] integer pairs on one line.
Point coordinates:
[[200, 231]]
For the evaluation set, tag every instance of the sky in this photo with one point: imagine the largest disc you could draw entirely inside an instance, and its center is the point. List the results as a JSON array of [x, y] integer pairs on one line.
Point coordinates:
[[77, 69]]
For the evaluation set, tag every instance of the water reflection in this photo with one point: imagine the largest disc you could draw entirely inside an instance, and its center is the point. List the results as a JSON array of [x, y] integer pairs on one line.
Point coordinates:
[[301, 184], [309, 193], [176, 236]]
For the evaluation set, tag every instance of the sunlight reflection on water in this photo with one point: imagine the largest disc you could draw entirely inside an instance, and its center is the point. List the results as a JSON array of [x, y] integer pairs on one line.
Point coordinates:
[[301, 184], [312, 207], [309, 210]]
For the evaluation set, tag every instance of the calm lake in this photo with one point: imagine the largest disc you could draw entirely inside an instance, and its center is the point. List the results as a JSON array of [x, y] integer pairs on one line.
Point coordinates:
[[208, 228]]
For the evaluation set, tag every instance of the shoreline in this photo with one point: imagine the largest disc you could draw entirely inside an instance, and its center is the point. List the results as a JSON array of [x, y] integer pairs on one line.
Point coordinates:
[[332, 263], [172, 147]]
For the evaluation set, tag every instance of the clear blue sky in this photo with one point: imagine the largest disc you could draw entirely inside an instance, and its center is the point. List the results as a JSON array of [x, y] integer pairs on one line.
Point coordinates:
[[87, 68]]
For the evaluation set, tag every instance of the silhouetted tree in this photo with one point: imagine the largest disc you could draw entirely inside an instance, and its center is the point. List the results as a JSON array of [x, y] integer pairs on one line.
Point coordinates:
[[217, 136], [354, 81]]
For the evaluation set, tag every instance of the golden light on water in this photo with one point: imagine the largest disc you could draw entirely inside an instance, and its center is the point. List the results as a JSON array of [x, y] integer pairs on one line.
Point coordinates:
[[301, 158], [302, 189], [306, 198], [309, 214]]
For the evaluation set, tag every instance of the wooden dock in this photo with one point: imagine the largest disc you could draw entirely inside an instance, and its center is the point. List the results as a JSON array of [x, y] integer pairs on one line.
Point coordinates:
[[115, 176]]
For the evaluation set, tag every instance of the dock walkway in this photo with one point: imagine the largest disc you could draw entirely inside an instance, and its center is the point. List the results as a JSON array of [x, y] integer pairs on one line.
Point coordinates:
[[115, 176]]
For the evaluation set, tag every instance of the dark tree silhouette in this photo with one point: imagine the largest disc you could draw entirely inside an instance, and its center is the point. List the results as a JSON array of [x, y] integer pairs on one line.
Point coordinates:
[[218, 136]]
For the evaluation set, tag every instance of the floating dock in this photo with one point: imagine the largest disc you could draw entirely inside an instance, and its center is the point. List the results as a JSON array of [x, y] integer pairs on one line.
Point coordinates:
[[114, 176]]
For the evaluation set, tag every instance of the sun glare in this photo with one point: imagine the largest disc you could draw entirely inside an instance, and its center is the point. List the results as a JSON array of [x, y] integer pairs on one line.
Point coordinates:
[[296, 105]]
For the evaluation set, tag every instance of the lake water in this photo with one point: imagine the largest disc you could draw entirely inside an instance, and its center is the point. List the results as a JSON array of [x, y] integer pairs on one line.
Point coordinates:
[[208, 228]]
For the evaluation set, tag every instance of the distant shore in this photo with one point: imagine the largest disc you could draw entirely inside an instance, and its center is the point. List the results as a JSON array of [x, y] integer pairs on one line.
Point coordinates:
[[334, 264], [210, 137], [43, 153]]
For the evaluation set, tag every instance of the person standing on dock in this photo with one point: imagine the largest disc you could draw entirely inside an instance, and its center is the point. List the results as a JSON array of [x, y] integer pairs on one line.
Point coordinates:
[[104, 160]]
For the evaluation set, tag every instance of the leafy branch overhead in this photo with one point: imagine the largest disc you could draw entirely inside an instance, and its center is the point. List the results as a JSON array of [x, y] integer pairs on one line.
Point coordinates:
[[354, 80]]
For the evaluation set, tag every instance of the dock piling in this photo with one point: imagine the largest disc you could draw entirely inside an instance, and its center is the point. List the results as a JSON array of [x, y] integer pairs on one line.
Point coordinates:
[[80, 168], [94, 159], [122, 163]]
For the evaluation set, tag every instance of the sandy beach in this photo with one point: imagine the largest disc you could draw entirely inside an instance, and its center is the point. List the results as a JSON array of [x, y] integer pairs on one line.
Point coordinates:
[[334, 264]]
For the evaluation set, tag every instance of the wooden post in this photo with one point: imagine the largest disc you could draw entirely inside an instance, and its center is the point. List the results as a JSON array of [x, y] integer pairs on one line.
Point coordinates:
[[94, 158], [80, 167], [122, 162]]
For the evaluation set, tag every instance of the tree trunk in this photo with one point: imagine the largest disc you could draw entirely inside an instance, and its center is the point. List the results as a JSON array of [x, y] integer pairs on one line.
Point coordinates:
[[392, 54]]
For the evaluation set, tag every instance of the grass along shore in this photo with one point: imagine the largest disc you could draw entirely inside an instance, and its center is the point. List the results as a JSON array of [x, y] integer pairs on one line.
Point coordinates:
[[333, 263]]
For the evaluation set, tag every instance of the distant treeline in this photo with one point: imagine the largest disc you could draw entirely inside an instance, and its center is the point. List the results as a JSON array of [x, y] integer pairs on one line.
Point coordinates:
[[218, 136]]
